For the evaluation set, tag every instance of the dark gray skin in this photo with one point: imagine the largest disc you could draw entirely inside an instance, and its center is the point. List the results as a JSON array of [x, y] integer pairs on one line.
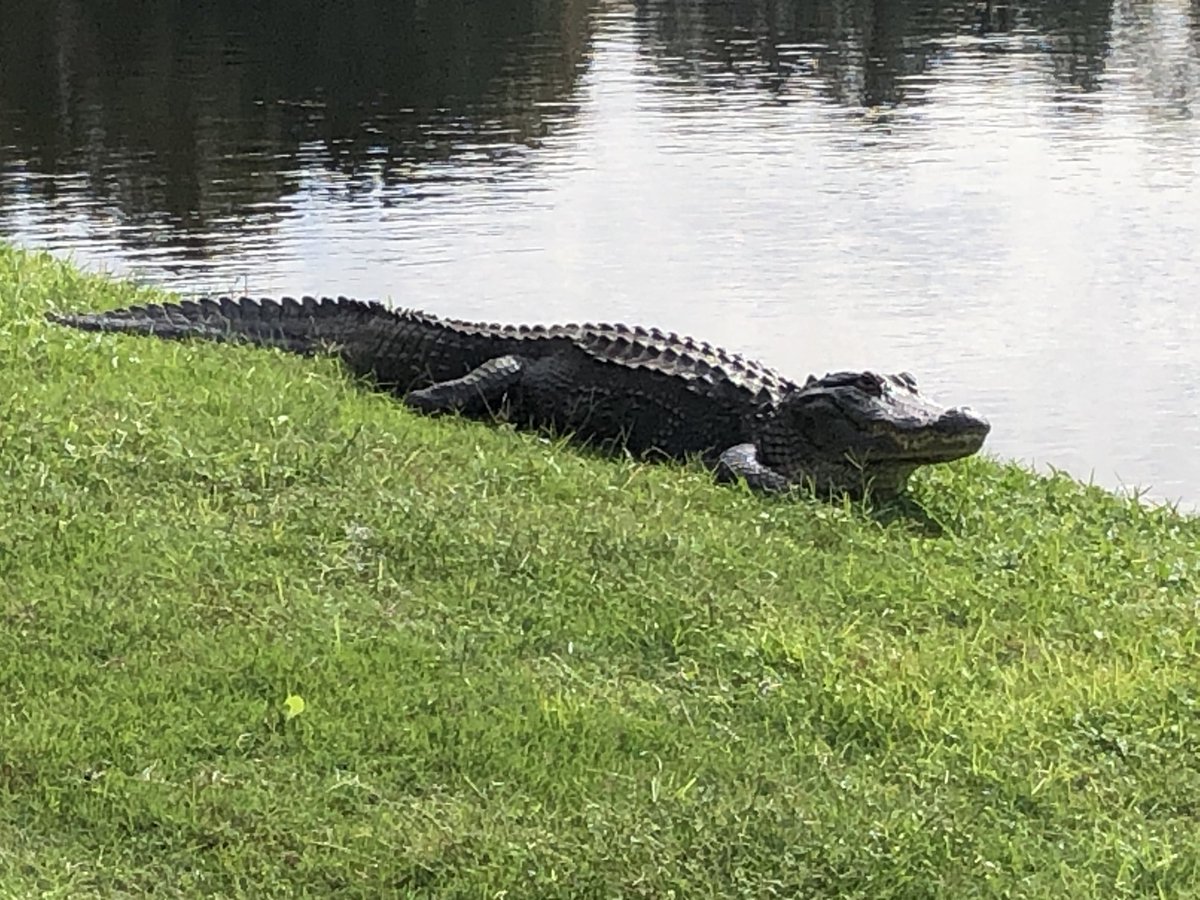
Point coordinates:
[[651, 393]]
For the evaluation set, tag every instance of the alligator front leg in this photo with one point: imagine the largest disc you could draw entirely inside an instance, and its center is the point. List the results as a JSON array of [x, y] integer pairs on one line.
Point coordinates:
[[478, 393], [742, 462]]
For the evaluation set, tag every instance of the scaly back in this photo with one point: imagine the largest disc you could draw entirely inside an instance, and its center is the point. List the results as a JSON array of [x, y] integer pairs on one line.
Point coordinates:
[[410, 348]]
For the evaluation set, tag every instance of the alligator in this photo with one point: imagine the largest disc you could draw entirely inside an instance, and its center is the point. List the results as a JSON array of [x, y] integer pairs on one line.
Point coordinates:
[[620, 388]]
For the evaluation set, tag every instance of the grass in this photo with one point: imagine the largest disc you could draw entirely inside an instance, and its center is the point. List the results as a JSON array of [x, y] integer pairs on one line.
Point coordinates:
[[264, 633]]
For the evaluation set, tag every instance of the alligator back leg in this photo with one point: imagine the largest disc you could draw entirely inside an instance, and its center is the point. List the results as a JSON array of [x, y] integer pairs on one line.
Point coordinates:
[[480, 393]]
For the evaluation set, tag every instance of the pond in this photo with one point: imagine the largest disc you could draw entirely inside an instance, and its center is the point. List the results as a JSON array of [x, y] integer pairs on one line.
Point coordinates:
[[1000, 198]]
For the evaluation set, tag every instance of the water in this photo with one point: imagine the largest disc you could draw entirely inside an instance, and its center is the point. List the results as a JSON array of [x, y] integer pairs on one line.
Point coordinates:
[[1000, 198]]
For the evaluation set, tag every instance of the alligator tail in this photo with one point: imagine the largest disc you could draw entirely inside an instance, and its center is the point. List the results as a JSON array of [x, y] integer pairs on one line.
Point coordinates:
[[303, 326]]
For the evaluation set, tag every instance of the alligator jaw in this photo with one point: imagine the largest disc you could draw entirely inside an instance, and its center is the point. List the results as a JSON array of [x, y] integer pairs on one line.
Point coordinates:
[[944, 437]]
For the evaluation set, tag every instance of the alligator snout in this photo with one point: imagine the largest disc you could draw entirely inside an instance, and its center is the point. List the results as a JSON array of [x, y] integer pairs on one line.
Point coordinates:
[[964, 419], [957, 432]]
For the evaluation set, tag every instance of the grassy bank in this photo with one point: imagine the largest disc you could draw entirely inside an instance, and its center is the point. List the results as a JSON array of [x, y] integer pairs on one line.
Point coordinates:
[[262, 632]]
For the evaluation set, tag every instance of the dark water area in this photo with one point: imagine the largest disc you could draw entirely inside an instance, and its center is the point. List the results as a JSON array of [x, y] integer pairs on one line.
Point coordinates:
[[186, 131], [1001, 198]]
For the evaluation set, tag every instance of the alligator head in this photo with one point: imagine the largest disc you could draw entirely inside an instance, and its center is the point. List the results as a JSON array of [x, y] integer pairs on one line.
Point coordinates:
[[856, 432]]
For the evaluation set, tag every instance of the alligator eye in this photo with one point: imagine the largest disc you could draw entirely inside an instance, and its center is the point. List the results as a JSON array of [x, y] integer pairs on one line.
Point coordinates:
[[870, 383]]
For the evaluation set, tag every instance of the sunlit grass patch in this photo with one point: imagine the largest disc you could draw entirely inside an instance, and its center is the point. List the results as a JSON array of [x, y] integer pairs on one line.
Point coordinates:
[[264, 632]]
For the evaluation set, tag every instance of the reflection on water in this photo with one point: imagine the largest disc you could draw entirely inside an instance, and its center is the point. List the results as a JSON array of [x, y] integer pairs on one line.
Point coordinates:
[[179, 133], [1000, 197]]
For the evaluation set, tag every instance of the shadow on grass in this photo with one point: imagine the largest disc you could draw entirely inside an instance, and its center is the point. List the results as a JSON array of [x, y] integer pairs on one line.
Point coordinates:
[[911, 514]]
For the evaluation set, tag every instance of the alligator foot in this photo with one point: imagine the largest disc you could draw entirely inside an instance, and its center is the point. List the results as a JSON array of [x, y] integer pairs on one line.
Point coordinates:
[[480, 392], [742, 462]]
